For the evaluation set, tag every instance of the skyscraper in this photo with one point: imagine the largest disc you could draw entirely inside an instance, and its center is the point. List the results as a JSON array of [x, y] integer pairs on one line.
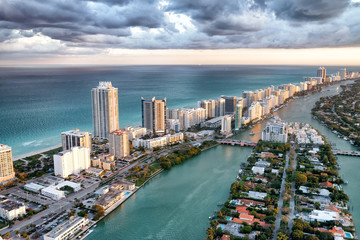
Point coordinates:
[[154, 115], [6, 164], [119, 144], [226, 124], [321, 72], [75, 138], [238, 116], [230, 103], [105, 109]]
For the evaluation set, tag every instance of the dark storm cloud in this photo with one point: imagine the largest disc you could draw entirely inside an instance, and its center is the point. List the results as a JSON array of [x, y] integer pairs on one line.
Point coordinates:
[[309, 10], [182, 24], [69, 20]]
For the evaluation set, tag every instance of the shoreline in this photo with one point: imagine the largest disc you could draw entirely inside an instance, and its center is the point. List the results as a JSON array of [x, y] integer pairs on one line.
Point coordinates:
[[17, 157]]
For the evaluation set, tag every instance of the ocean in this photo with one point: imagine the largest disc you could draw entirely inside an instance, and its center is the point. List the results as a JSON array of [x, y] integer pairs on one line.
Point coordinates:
[[37, 104]]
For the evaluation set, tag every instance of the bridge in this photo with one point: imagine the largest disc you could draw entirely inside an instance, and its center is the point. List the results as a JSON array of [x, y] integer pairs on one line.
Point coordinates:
[[346, 153], [233, 142]]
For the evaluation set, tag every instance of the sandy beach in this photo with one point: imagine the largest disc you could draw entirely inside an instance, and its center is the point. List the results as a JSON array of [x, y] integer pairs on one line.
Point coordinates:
[[35, 152]]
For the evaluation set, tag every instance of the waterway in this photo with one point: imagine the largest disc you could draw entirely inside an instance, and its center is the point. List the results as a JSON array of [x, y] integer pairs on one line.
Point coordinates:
[[176, 204]]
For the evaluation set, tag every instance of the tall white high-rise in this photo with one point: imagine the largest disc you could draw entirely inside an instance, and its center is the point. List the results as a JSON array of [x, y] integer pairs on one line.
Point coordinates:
[[71, 161], [275, 131], [238, 116], [119, 144], [226, 124], [105, 108], [75, 138], [154, 115], [6, 163], [343, 73]]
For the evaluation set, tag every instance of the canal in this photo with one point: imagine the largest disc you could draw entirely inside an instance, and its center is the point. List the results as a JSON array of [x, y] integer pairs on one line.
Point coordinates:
[[176, 204]]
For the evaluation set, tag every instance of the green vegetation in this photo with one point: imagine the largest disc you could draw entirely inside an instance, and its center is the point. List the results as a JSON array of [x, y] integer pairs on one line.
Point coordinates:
[[178, 157], [341, 112]]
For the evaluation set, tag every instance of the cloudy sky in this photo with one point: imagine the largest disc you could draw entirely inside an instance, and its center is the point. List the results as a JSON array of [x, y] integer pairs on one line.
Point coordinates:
[[179, 31]]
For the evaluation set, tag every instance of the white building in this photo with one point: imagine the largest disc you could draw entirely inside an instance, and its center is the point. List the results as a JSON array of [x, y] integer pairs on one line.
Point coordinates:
[[33, 187], [159, 141], [323, 216], [173, 125], [75, 186], [226, 124], [53, 193], [119, 145], [67, 230], [255, 111], [258, 170], [275, 131], [10, 209], [71, 161], [105, 109], [135, 132]]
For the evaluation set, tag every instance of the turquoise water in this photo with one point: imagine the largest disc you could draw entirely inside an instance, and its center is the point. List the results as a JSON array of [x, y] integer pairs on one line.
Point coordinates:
[[176, 204], [36, 104], [164, 210]]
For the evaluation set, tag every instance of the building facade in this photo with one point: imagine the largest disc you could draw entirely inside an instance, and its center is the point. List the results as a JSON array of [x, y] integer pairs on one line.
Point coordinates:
[[105, 109], [154, 115], [71, 161], [275, 131], [6, 163], [75, 138], [119, 144], [226, 124], [238, 116]]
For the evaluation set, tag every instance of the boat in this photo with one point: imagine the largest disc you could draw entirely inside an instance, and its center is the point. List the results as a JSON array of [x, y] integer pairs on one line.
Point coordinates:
[[211, 217], [251, 133], [346, 182], [220, 204]]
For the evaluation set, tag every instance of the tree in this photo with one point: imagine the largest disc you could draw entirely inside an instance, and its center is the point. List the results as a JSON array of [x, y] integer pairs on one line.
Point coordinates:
[[246, 229], [210, 233], [281, 236], [326, 236], [299, 178], [297, 235]]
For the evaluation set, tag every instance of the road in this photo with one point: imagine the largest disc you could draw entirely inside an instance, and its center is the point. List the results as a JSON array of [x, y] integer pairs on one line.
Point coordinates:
[[280, 202], [69, 202], [292, 200]]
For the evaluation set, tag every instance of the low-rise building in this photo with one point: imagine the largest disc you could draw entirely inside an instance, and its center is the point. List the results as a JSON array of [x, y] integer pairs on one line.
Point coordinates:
[[10, 209], [33, 187], [68, 229], [53, 193], [258, 170]]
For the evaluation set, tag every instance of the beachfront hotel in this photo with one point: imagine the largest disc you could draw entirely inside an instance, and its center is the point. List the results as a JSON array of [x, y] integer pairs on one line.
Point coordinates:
[[154, 115], [71, 161], [275, 131], [6, 164], [75, 138], [119, 144], [105, 109]]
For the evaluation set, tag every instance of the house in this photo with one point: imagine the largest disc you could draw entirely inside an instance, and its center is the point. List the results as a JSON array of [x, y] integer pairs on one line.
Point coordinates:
[[323, 216], [336, 231], [249, 219], [261, 178], [326, 185], [247, 202], [250, 184], [225, 237], [257, 195], [267, 155], [262, 163], [276, 171], [258, 170], [242, 209]]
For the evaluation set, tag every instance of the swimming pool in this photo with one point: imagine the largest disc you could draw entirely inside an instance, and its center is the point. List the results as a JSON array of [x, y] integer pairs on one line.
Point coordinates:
[[348, 235], [127, 193]]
